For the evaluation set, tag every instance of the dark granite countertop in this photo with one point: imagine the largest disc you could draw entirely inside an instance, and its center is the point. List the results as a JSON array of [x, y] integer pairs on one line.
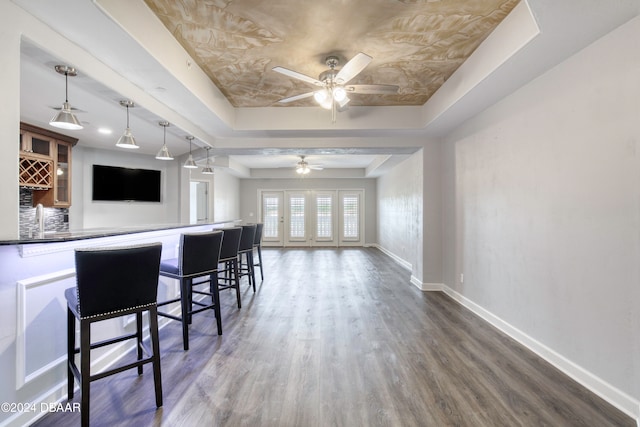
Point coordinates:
[[91, 233]]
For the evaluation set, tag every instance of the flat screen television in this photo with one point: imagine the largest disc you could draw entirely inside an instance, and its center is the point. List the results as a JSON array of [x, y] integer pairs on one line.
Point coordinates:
[[114, 183]]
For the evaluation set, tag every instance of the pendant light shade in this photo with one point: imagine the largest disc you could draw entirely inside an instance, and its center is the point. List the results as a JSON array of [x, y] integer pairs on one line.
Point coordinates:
[[164, 154], [65, 119], [127, 140], [190, 164], [207, 170]]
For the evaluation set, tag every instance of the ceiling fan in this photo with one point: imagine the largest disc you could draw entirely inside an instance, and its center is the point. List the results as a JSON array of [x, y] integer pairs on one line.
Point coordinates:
[[303, 168], [333, 83]]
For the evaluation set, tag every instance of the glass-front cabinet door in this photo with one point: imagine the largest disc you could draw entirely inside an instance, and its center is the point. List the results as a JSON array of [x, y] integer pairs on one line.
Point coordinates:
[[62, 180], [59, 196]]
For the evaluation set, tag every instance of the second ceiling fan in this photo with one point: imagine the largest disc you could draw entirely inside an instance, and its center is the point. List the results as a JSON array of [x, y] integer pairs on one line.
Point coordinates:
[[303, 168], [333, 83]]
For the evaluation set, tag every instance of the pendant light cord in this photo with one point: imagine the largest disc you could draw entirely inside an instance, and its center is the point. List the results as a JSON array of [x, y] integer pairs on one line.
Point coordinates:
[[66, 86]]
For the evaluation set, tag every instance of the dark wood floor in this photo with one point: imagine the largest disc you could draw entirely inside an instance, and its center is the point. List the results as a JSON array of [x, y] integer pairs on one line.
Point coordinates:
[[341, 338]]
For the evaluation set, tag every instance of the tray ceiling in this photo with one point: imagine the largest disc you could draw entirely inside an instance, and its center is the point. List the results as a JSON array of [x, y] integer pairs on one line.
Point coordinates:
[[415, 44]]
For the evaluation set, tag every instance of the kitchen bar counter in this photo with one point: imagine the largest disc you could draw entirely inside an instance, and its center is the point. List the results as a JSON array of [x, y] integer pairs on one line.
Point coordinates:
[[92, 233], [33, 276]]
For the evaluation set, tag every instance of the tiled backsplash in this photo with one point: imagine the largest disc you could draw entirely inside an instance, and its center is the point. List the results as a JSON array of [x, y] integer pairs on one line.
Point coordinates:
[[55, 219]]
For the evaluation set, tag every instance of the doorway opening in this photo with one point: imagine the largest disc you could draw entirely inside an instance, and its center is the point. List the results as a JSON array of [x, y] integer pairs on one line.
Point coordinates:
[[198, 202]]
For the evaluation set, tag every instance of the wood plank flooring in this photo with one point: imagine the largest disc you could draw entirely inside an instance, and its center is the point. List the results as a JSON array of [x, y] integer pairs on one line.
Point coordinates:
[[341, 338]]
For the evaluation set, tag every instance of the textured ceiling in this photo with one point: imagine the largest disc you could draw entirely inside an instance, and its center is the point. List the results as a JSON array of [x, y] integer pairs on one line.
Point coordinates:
[[415, 44]]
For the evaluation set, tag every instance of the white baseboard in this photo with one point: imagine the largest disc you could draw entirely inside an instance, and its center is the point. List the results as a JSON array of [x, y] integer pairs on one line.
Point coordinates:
[[393, 256], [593, 383], [427, 287], [606, 391]]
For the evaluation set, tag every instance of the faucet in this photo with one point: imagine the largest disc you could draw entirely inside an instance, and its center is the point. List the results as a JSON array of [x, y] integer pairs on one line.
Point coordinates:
[[39, 220]]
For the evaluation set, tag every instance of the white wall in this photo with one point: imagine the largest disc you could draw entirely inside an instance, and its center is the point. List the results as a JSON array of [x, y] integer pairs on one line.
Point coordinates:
[[10, 32], [400, 213], [542, 212], [249, 196], [226, 196], [432, 216], [85, 213]]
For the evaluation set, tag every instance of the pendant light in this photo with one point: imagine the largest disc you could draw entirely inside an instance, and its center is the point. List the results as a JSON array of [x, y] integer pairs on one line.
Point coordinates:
[[164, 154], [65, 119], [207, 169], [190, 164], [127, 140]]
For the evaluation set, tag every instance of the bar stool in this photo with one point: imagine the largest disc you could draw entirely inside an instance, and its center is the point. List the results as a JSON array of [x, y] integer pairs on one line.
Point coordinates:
[[112, 282], [246, 248], [228, 276], [198, 257], [257, 246]]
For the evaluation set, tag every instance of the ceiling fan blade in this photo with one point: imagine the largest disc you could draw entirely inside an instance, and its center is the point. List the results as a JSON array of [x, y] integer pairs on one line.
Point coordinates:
[[373, 89], [297, 75], [295, 98], [353, 68]]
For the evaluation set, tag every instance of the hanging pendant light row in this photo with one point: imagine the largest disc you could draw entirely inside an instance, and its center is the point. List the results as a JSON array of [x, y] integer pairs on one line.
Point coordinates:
[[190, 164], [65, 119], [128, 141]]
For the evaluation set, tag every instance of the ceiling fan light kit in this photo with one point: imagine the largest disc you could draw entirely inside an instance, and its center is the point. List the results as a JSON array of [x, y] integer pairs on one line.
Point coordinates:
[[303, 168], [334, 83]]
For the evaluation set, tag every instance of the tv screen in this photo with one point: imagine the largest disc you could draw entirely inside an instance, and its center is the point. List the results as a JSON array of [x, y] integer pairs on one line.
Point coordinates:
[[113, 183]]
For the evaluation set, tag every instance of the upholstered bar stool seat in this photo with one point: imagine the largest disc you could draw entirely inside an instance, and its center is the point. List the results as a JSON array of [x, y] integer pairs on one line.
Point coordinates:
[[112, 282], [198, 257]]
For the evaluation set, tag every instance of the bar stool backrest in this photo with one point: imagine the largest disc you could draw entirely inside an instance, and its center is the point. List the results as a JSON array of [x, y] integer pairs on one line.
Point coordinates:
[[246, 238], [116, 278], [258, 237], [230, 243], [199, 253]]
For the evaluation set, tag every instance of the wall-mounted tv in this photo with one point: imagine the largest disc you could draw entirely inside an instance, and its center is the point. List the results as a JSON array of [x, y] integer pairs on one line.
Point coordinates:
[[114, 183]]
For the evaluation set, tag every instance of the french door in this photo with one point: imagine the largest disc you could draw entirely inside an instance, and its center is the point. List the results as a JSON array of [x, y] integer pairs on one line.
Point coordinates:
[[272, 214], [312, 217]]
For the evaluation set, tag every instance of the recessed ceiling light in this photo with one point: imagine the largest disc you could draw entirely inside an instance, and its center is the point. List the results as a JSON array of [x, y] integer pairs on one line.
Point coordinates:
[[105, 131]]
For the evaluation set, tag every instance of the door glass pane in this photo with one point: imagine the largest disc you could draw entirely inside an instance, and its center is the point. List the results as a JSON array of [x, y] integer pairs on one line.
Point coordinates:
[[324, 217], [351, 217], [40, 146], [62, 181], [270, 211], [296, 222]]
